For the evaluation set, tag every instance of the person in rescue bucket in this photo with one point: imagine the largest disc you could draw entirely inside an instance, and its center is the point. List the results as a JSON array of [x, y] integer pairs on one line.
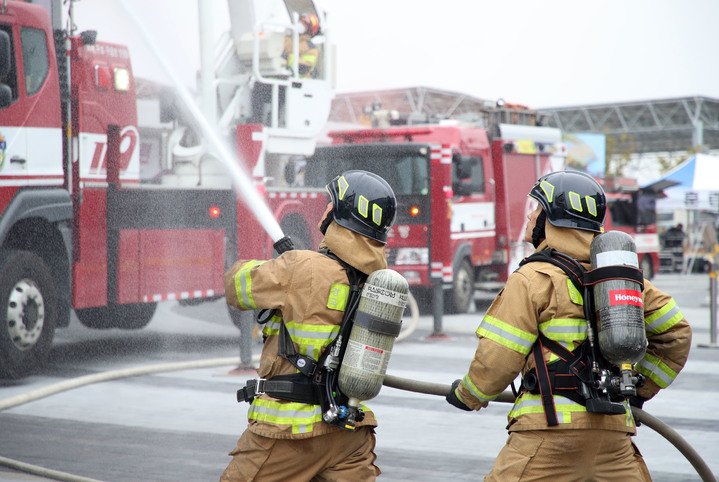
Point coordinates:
[[564, 425], [308, 51], [290, 435]]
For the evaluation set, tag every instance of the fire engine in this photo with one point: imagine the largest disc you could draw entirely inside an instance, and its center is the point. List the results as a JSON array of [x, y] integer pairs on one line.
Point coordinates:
[[106, 215], [462, 195]]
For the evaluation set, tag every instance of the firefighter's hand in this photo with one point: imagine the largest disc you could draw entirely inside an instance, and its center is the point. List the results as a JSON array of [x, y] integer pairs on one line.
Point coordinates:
[[454, 400]]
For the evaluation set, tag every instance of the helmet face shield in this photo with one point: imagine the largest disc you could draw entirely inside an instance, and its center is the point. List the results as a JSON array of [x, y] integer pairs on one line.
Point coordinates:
[[571, 199], [364, 203]]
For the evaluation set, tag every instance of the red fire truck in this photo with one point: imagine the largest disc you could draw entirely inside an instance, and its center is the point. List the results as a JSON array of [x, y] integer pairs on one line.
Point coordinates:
[[107, 216], [462, 197], [462, 193]]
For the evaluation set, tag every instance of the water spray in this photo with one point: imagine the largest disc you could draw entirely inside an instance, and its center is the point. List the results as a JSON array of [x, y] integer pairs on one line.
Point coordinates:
[[243, 185]]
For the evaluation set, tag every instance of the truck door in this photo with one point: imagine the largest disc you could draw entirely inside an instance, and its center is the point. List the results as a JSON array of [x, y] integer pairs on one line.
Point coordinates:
[[30, 134]]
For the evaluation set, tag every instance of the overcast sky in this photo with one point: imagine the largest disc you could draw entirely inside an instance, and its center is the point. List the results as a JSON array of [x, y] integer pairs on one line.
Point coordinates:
[[538, 53]]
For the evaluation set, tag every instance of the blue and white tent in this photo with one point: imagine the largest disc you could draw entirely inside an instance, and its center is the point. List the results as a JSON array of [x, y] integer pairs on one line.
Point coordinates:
[[693, 185]]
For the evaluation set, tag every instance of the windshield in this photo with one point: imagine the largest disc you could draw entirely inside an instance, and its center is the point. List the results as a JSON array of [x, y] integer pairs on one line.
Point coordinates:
[[405, 168]]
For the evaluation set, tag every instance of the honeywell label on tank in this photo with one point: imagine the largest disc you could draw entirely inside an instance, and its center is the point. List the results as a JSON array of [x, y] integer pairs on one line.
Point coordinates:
[[625, 297], [383, 295]]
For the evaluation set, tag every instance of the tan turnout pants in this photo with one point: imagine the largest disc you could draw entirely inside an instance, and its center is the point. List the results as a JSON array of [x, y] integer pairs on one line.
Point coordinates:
[[569, 455], [338, 456]]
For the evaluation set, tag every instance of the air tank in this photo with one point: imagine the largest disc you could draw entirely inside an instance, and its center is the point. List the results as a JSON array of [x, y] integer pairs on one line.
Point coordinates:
[[618, 302], [377, 323]]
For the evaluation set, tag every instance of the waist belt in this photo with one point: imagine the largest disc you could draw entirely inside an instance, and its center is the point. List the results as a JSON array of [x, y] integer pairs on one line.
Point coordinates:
[[293, 388]]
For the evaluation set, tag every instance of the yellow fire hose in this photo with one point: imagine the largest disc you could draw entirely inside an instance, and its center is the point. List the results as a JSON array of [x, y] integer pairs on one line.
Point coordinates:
[[639, 415]]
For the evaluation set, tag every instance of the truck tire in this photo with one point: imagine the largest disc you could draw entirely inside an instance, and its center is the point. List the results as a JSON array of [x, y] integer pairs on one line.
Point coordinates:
[[28, 311], [132, 316], [647, 267], [459, 298]]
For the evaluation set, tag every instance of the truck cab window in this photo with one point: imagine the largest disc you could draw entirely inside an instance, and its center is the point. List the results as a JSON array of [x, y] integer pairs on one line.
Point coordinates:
[[34, 58], [8, 72], [468, 175]]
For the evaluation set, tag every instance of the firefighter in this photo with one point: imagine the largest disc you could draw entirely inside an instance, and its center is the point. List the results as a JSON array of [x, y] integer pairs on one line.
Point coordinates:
[[308, 51], [288, 440], [538, 303]]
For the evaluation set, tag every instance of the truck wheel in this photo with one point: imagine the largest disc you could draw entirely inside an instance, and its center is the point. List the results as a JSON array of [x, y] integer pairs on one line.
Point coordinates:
[[647, 267], [28, 309], [460, 297], [127, 317]]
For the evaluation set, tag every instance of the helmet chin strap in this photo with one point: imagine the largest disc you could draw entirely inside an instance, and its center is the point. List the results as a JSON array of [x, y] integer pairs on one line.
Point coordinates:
[[538, 233], [327, 221]]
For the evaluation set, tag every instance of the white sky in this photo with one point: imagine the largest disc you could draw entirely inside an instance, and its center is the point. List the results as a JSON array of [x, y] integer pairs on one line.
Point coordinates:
[[538, 53]]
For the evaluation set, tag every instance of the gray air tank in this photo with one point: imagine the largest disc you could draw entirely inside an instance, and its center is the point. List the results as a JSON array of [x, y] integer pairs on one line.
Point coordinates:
[[377, 323], [618, 302]]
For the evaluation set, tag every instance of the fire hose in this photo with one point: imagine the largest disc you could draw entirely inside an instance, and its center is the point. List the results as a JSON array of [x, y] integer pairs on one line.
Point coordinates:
[[391, 381]]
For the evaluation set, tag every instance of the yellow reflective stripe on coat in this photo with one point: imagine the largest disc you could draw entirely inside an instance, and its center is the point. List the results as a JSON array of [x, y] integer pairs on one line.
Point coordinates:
[[301, 416], [652, 367], [564, 331], [476, 393], [506, 335], [243, 285], [272, 327], [310, 338], [529, 403], [663, 319]]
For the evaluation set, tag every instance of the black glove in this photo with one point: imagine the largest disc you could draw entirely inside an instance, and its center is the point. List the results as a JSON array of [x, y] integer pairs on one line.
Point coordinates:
[[454, 400]]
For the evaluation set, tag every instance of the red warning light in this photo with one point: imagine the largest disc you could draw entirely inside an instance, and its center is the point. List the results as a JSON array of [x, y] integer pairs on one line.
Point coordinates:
[[213, 212], [414, 211]]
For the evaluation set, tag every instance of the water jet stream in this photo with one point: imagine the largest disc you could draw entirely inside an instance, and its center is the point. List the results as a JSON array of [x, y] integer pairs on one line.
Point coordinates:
[[243, 184]]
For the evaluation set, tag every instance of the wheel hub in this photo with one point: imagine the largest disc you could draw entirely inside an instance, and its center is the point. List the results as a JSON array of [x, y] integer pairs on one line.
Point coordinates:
[[25, 314]]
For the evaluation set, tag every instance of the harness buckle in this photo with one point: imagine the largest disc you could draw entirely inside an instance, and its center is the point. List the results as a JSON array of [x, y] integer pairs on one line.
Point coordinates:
[[252, 388]]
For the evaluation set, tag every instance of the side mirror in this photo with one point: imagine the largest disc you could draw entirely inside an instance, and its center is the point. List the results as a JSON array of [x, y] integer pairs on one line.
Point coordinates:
[[464, 165]]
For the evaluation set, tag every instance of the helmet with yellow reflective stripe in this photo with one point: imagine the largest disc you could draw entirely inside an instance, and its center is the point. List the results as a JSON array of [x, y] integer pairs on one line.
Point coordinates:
[[364, 203], [311, 24], [571, 199]]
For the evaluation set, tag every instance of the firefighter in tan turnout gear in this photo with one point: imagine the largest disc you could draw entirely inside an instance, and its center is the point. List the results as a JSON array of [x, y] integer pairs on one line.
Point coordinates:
[[563, 428], [286, 438]]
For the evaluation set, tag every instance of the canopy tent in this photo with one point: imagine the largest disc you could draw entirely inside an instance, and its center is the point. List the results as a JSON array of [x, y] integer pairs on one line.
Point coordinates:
[[692, 185]]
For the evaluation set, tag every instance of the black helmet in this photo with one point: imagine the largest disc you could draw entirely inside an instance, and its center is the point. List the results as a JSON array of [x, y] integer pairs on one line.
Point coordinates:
[[571, 199], [364, 203]]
